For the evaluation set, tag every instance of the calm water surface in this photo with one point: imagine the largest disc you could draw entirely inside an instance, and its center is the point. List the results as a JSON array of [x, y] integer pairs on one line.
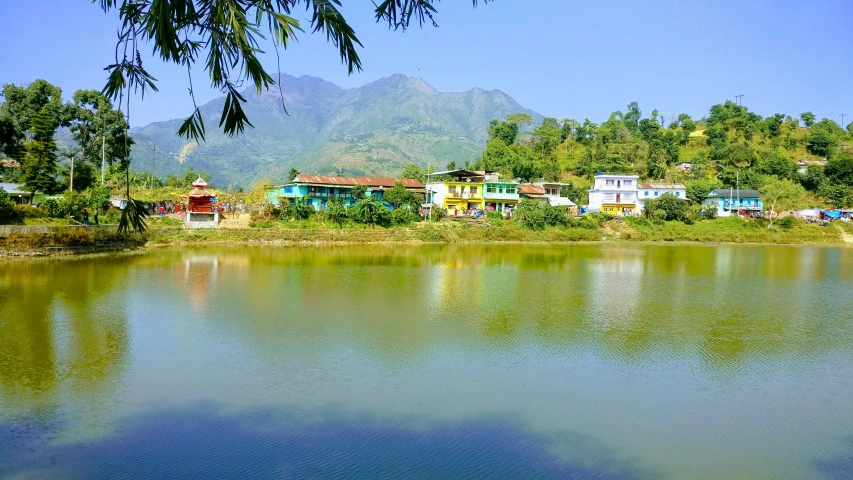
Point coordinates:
[[589, 361]]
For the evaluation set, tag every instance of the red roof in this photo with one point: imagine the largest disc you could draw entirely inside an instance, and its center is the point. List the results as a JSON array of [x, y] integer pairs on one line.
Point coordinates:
[[386, 182], [531, 189]]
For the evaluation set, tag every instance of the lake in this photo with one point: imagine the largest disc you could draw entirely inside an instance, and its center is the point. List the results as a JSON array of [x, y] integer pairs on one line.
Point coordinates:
[[612, 361]]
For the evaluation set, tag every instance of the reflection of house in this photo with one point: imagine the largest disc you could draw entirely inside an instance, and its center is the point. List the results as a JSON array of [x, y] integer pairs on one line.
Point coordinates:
[[614, 193], [652, 191], [463, 190], [20, 196], [730, 200], [318, 189]]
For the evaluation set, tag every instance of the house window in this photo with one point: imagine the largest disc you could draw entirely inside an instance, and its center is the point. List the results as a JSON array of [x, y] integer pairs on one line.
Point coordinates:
[[473, 190], [677, 194], [656, 194], [490, 189], [452, 189], [510, 189], [628, 182], [288, 189], [608, 182], [647, 193]]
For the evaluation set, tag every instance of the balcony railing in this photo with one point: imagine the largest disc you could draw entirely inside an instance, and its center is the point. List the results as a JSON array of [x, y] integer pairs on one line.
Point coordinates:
[[466, 195]]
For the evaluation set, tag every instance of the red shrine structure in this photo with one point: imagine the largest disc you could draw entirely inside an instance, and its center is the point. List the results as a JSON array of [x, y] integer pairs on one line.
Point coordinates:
[[201, 211]]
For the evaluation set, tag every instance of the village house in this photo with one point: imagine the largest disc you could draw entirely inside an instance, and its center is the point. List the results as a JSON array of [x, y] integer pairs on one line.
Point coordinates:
[[318, 189], [728, 200], [463, 191], [615, 194], [500, 195], [20, 196], [684, 167], [652, 191], [547, 192]]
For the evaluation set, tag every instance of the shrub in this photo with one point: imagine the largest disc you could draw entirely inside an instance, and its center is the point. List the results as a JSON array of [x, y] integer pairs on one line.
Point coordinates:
[[555, 216], [494, 215], [789, 222], [709, 212], [437, 214], [54, 208], [7, 207], [99, 197], [29, 211], [403, 216], [261, 224], [77, 237], [530, 214], [73, 203]]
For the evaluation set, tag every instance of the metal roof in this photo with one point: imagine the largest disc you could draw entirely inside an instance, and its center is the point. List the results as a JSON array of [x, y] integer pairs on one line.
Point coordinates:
[[15, 188], [531, 189], [461, 172], [385, 182], [662, 185], [734, 193]]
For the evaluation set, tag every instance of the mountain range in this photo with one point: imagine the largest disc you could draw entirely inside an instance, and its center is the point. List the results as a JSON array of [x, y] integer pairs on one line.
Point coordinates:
[[376, 129]]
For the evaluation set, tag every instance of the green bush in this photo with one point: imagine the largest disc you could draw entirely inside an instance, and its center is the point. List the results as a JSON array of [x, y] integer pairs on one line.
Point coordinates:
[[7, 207], [54, 208], [29, 211], [403, 216], [73, 203], [494, 215], [709, 212], [530, 214], [262, 224], [99, 197], [789, 222]]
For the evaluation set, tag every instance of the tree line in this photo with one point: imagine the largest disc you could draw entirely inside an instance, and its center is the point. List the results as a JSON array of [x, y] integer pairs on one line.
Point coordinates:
[[728, 147]]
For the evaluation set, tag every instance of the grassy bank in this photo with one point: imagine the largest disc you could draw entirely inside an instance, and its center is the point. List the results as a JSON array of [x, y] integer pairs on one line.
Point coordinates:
[[722, 230], [592, 229]]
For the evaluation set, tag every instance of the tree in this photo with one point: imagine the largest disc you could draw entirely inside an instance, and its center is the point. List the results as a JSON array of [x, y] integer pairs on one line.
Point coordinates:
[[39, 168], [673, 208], [781, 195], [506, 132], [631, 118], [99, 197], [336, 212], [819, 142], [813, 178], [21, 105], [699, 188], [808, 119], [839, 169], [359, 192], [369, 210], [99, 130], [414, 172], [292, 174], [779, 164], [398, 195], [301, 209], [547, 136], [228, 35], [451, 165], [686, 123]]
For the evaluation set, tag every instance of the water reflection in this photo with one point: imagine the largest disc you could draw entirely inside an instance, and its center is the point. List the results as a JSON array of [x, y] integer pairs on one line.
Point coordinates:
[[202, 442], [558, 360], [62, 323]]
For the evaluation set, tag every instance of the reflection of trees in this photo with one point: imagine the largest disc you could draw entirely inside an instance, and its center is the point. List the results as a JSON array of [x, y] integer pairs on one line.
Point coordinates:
[[60, 322], [721, 304]]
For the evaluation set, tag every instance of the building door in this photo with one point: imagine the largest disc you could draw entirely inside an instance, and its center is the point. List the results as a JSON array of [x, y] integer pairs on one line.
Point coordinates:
[[618, 198]]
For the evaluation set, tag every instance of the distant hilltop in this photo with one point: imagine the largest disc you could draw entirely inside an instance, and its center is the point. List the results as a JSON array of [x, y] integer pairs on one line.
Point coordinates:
[[376, 129]]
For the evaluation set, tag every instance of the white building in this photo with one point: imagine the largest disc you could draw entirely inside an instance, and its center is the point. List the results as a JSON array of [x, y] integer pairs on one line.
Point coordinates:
[[615, 194], [651, 191]]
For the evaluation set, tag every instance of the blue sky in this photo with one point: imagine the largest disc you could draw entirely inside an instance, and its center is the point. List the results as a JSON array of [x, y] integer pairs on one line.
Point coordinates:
[[561, 58]]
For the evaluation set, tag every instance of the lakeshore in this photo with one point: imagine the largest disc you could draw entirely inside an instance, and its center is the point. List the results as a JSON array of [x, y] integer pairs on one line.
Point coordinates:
[[71, 240]]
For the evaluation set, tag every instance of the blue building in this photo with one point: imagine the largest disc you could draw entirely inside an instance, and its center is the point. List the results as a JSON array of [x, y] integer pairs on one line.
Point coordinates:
[[318, 189], [730, 200]]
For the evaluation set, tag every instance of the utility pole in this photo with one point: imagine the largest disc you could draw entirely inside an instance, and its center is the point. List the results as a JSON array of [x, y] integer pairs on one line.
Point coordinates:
[[153, 154], [842, 119], [71, 186], [739, 99], [103, 159]]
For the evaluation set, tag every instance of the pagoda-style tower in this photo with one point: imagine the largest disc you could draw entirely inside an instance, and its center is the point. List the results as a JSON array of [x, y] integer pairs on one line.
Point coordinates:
[[201, 211]]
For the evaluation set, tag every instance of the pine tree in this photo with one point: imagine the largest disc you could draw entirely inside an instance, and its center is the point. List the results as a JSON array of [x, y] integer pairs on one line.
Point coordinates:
[[39, 168]]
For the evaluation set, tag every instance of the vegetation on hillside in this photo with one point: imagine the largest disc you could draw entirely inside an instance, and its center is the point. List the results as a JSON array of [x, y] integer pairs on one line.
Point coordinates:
[[729, 147]]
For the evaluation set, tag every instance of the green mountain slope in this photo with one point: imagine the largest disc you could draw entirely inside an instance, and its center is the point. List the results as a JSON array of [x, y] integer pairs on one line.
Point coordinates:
[[375, 129]]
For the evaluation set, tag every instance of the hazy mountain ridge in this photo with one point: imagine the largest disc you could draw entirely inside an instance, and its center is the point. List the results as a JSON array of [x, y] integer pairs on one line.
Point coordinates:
[[375, 129]]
